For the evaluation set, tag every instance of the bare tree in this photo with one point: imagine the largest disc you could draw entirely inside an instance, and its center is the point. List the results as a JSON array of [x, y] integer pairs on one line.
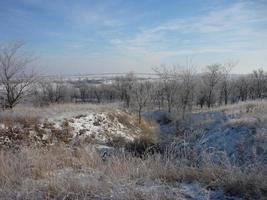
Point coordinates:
[[187, 89], [157, 95], [258, 80], [211, 78], [84, 91], [52, 92], [168, 78], [109, 92], [124, 86], [226, 69], [97, 92], [241, 88], [140, 94], [14, 76]]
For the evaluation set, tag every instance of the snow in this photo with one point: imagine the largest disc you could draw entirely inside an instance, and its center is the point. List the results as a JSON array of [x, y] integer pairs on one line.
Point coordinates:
[[2, 126], [220, 134], [96, 125]]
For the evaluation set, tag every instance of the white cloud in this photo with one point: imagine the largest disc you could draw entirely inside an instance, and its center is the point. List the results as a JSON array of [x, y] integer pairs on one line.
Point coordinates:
[[227, 31], [238, 31]]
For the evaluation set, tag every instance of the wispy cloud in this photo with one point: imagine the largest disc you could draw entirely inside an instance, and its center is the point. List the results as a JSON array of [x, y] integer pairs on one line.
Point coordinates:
[[131, 33], [228, 29]]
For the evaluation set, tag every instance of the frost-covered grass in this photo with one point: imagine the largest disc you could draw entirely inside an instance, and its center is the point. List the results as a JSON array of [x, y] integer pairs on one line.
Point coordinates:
[[54, 111], [257, 108], [62, 170], [80, 173], [249, 113]]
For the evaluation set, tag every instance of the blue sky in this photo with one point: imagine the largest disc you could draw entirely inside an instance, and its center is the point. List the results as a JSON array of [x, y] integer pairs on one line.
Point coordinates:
[[76, 37]]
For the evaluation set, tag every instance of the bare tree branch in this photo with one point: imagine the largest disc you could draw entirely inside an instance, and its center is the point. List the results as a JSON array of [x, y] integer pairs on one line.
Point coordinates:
[[14, 77]]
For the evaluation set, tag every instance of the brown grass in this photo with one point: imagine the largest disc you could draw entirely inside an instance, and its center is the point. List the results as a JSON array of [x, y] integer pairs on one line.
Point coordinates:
[[60, 171], [57, 110], [26, 121], [147, 137]]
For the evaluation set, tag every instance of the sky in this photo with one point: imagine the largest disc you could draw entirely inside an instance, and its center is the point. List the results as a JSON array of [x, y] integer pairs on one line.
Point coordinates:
[[109, 36]]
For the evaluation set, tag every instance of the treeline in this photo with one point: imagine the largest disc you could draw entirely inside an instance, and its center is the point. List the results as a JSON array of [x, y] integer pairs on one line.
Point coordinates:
[[177, 89], [174, 90]]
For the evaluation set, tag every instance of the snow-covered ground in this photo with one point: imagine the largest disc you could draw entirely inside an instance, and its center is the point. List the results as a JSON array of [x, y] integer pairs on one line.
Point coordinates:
[[101, 127], [237, 133], [74, 124]]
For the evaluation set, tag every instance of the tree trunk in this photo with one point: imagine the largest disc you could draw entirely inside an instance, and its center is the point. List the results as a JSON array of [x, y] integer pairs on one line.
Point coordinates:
[[139, 115]]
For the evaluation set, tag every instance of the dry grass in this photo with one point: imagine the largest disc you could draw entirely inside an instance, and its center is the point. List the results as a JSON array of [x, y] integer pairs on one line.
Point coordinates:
[[244, 120], [243, 113], [256, 107], [11, 120], [240, 107], [60, 171], [149, 130], [58, 110], [66, 172]]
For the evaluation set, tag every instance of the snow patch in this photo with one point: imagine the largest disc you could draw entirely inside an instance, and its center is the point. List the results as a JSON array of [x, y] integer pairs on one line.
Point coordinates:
[[97, 126]]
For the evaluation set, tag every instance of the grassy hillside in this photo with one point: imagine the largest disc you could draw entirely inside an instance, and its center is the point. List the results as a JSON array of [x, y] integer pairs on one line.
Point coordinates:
[[31, 165]]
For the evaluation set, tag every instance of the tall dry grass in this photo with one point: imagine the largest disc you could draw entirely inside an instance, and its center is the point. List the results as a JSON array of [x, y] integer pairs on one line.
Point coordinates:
[[58, 110], [61, 171], [78, 173]]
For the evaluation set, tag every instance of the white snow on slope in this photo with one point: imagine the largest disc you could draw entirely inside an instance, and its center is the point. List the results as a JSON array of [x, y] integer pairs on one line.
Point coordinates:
[[99, 126]]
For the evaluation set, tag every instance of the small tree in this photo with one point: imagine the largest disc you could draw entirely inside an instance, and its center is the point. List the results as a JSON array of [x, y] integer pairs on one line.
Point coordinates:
[[14, 77], [211, 79], [168, 79], [140, 94], [84, 91], [124, 85], [157, 96], [258, 80], [187, 89], [226, 69], [47, 92], [97, 91]]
